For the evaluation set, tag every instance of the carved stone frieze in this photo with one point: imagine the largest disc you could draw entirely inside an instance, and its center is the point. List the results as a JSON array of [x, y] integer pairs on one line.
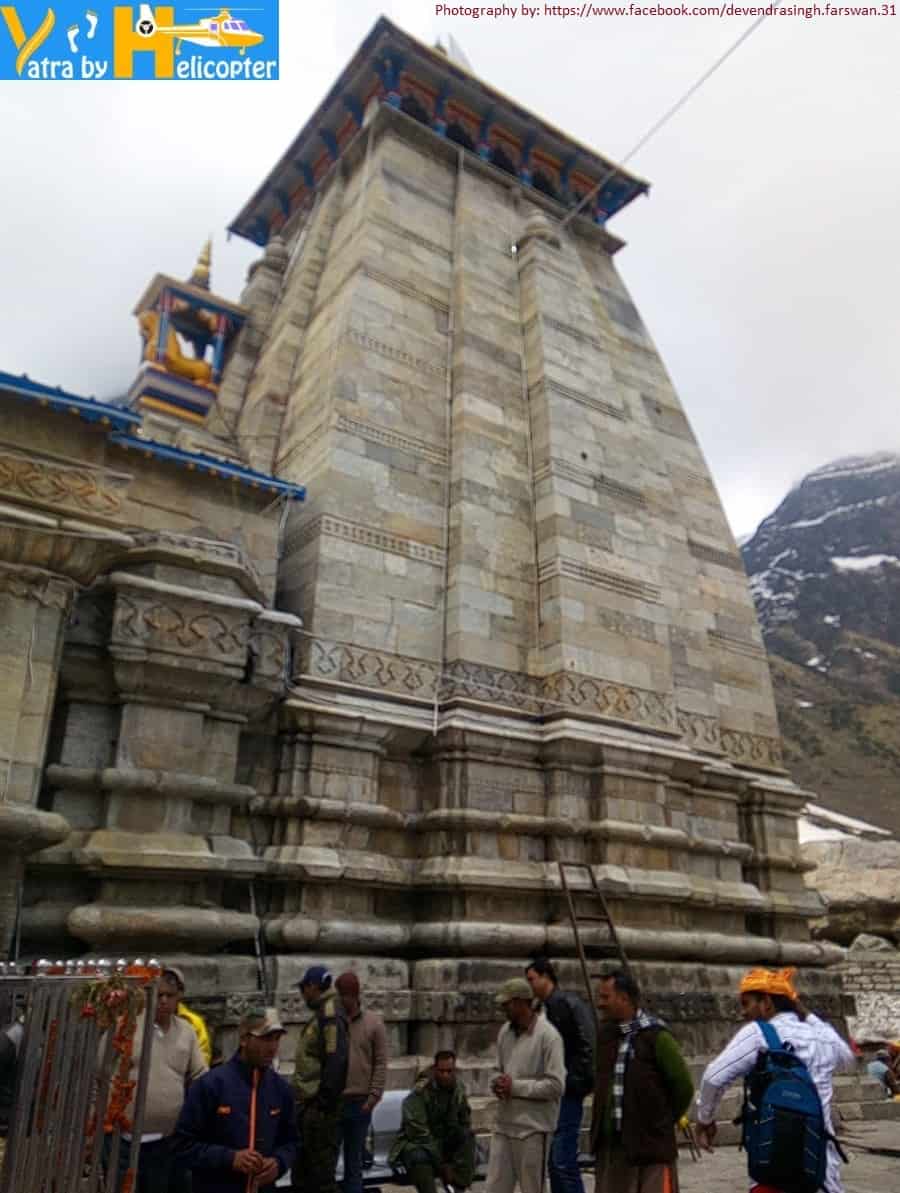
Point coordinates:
[[724, 559], [752, 749], [598, 577], [191, 630], [33, 584], [365, 536], [344, 663], [390, 438], [66, 487], [701, 732], [390, 353]]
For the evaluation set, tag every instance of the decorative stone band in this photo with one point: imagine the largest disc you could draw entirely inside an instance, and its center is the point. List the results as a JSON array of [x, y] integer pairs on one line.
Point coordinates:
[[365, 536], [610, 488], [150, 782], [169, 928], [474, 820], [707, 554], [389, 438], [359, 666], [616, 582], [396, 354], [174, 619], [474, 938], [33, 584], [548, 385], [78, 488]]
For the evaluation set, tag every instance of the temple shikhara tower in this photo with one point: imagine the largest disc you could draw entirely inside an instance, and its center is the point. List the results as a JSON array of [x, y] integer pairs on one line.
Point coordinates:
[[409, 580]]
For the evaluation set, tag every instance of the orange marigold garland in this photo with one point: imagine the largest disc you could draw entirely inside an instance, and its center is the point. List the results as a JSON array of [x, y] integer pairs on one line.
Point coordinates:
[[115, 1004]]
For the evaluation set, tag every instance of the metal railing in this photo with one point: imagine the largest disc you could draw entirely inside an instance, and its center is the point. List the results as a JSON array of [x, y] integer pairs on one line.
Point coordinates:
[[75, 1079]]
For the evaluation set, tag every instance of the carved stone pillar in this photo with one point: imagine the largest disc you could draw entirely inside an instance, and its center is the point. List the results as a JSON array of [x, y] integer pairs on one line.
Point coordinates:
[[43, 561], [192, 660]]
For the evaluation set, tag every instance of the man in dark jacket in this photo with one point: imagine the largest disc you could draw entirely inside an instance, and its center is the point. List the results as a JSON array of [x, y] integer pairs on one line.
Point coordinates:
[[236, 1129], [320, 1075], [574, 1020], [436, 1139], [642, 1089]]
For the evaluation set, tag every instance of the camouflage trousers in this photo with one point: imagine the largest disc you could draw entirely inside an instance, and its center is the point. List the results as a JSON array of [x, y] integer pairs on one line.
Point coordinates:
[[317, 1153]]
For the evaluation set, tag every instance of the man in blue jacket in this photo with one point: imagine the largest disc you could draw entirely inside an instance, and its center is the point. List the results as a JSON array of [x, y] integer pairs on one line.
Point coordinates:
[[237, 1129]]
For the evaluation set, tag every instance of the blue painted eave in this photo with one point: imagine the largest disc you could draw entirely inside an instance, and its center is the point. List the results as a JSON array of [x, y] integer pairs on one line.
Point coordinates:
[[58, 399], [120, 424], [208, 465]]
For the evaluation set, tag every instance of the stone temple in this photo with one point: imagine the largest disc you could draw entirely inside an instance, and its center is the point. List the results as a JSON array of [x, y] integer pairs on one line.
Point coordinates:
[[384, 589]]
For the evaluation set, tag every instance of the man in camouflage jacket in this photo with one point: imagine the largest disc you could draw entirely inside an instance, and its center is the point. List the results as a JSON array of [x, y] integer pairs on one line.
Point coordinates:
[[320, 1073], [436, 1139]]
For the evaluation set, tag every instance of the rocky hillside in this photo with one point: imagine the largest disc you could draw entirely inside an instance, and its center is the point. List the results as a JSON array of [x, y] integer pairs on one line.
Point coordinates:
[[825, 573]]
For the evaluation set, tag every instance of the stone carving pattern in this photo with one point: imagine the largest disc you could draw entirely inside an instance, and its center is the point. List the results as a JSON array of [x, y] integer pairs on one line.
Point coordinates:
[[752, 749], [365, 536], [585, 574], [738, 645], [723, 559], [591, 402], [196, 631], [345, 663], [415, 362], [407, 443], [702, 732], [615, 700], [50, 592], [58, 485]]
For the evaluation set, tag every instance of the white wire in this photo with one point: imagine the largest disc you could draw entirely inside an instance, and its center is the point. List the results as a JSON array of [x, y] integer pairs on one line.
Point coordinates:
[[667, 116]]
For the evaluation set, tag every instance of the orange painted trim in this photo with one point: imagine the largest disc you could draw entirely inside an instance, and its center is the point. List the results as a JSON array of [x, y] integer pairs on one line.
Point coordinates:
[[189, 415]]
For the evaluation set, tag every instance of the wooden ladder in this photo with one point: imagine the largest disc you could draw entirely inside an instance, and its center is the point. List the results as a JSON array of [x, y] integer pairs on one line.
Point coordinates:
[[578, 921]]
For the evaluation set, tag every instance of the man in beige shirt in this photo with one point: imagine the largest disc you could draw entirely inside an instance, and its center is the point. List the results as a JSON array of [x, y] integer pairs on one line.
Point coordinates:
[[366, 1072], [529, 1087], [175, 1061]]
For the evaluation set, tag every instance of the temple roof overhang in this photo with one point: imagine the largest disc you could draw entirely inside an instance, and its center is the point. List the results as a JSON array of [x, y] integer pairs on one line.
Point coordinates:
[[193, 295], [396, 68], [123, 428]]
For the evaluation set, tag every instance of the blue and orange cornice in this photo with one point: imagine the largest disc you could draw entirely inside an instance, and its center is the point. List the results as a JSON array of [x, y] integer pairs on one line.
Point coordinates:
[[107, 415], [392, 66], [122, 428], [209, 465]]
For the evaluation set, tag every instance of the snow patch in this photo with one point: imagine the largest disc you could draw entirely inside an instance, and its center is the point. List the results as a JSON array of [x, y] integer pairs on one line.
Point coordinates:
[[814, 662], [832, 619], [861, 563], [838, 509], [856, 466], [804, 704]]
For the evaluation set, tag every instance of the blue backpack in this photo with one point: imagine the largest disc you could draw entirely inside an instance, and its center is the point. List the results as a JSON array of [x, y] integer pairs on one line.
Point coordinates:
[[784, 1131]]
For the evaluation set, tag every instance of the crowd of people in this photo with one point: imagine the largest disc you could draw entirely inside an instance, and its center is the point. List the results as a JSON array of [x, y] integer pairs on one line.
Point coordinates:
[[212, 1125]]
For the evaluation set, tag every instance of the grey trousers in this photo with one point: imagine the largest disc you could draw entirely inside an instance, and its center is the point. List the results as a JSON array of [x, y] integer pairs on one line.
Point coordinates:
[[521, 1162]]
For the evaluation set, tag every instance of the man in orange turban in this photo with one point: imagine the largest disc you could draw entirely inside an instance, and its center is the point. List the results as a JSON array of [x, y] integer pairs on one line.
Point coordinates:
[[771, 995]]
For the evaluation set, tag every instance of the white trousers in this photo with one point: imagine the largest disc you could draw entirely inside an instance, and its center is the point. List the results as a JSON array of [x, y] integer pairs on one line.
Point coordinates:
[[521, 1162]]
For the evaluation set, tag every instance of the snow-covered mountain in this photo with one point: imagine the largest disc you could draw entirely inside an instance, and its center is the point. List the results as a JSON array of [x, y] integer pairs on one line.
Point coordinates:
[[824, 569]]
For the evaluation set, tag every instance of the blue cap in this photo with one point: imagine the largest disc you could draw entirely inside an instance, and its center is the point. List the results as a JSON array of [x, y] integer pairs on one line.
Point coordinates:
[[316, 975]]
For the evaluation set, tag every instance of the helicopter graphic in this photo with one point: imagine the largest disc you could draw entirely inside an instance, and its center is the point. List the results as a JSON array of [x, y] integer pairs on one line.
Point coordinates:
[[221, 32]]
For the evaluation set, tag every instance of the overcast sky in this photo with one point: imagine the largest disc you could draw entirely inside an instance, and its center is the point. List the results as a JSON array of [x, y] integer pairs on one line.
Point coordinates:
[[764, 262]]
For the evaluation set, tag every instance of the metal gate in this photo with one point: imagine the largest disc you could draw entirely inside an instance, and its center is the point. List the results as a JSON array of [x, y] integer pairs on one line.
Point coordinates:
[[73, 1082]]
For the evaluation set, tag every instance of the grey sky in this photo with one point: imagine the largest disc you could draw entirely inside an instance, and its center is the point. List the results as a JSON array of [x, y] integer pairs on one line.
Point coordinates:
[[764, 260]]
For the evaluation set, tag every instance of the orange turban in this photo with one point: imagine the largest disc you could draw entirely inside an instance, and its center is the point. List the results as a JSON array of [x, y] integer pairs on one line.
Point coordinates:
[[770, 981]]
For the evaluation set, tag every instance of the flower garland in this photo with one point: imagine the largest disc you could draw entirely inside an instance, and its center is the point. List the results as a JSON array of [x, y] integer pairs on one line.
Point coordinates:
[[115, 1004]]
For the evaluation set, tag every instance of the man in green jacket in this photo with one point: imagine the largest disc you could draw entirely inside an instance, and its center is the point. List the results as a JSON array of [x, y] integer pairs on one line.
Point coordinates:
[[320, 1074], [643, 1088], [435, 1138]]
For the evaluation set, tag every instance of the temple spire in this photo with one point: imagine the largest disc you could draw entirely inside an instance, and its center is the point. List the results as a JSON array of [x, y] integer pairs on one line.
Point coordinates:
[[200, 276]]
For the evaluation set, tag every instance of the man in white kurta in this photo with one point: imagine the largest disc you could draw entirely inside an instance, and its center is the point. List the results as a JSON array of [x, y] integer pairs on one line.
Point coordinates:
[[529, 1087], [771, 996]]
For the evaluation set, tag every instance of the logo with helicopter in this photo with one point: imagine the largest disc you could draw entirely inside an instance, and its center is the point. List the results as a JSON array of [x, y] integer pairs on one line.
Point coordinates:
[[145, 41]]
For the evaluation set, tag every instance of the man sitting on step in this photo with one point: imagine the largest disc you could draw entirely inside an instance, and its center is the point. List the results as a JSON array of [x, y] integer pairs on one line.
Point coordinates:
[[435, 1138]]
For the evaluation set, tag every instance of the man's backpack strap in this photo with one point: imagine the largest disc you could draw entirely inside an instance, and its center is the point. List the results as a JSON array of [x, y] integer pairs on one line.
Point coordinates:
[[770, 1035]]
